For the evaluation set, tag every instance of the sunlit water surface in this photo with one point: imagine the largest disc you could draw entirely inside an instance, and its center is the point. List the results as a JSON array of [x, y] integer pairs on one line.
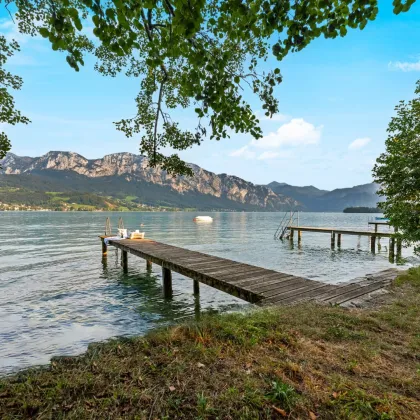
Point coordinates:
[[56, 295]]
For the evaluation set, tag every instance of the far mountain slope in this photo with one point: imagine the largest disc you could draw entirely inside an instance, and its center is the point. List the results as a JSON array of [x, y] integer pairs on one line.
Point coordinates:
[[315, 199], [123, 175]]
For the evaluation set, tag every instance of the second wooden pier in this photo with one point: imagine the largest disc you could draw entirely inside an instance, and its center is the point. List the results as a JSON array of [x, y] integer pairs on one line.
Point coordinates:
[[336, 235]]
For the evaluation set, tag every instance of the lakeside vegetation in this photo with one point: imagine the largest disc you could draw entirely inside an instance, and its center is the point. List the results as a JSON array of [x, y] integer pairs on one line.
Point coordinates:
[[362, 210], [305, 361], [14, 198]]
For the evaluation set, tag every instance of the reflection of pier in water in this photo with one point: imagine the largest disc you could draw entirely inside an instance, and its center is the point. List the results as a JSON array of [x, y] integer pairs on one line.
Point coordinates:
[[253, 284]]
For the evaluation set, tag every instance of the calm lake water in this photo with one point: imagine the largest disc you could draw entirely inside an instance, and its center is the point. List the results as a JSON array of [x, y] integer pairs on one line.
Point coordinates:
[[56, 296]]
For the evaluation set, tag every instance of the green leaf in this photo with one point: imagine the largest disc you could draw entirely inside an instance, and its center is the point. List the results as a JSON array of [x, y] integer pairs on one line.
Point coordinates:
[[44, 32]]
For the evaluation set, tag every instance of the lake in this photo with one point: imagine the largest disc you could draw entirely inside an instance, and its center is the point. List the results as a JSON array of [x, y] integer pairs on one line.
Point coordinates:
[[56, 296]]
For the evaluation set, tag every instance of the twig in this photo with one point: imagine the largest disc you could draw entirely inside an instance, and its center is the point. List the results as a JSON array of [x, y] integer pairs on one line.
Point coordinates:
[[7, 8]]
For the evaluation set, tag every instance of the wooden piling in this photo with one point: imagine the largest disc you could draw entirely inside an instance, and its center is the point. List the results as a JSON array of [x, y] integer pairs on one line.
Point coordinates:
[[197, 307], [332, 239], [104, 248], [124, 260], [149, 265], [292, 232], [196, 287], [167, 282], [339, 239], [372, 243], [299, 236]]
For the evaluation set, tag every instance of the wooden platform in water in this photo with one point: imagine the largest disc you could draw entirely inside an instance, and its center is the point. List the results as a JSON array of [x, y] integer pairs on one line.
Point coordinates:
[[333, 230], [251, 283]]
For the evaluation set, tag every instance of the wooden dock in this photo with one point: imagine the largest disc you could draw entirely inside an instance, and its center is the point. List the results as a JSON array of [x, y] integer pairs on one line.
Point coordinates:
[[251, 283], [337, 233]]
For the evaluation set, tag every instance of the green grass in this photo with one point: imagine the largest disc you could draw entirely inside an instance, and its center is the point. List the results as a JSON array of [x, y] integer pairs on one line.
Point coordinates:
[[130, 198], [82, 207], [412, 276], [58, 198], [300, 361], [8, 189]]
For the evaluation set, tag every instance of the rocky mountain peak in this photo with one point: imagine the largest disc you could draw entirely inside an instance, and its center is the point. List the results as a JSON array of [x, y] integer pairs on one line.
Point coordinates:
[[135, 168]]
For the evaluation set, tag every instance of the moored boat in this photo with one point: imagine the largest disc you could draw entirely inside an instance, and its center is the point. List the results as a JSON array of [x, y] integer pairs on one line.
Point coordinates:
[[205, 219]]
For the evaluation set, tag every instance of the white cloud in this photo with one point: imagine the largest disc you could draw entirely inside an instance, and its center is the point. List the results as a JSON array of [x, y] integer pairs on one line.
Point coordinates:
[[274, 155], [297, 132], [359, 143], [243, 152], [11, 31], [30, 45], [404, 66]]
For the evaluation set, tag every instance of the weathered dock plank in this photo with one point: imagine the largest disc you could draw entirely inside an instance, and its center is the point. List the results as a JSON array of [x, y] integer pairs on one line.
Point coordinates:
[[251, 283]]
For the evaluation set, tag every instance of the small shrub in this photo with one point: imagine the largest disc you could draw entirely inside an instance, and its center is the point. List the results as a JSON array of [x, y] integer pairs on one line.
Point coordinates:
[[282, 393]]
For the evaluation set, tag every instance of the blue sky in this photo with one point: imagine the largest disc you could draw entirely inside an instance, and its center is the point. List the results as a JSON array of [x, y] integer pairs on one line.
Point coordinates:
[[336, 100]]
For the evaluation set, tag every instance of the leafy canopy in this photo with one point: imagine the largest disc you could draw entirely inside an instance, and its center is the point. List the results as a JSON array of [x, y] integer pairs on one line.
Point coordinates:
[[8, 113], [398, 171], [189, 53]]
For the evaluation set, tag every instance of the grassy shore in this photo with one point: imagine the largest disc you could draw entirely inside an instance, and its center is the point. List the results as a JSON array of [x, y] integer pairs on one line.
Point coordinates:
[[304, 361]]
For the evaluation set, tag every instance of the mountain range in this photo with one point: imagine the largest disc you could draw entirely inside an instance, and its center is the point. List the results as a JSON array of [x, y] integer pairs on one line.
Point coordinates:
[[125, 181], [314, 199]]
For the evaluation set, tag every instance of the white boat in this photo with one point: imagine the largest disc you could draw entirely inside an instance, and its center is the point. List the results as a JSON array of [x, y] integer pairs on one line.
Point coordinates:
[[205, 219]]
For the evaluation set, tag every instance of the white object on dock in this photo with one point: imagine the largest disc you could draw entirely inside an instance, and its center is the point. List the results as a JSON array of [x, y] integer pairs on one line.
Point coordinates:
[[122, 233], [137, 235], [206, 219]]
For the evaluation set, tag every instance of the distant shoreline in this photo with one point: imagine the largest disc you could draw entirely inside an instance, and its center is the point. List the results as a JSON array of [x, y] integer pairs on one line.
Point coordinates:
[[367, 210], [177, 211]]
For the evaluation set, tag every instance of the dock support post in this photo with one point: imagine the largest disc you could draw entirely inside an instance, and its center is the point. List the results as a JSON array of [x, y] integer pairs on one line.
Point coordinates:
[[124, 260], [299, 236], [339, 240], [167, 282], [372, 243], [197, 307], [148, 265], [196, 287], [399, 247], [391, 249], [292, 232], [332, 239], [104, 248]]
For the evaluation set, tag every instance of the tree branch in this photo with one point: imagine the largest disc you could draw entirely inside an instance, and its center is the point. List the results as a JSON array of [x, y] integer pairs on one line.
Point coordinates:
[[158, 111], [146, 23], [6, 6]]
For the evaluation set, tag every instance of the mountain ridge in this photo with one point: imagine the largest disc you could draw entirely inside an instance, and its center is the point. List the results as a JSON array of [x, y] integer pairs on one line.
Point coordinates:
[[132, 174], [122, 175], [314, 199]]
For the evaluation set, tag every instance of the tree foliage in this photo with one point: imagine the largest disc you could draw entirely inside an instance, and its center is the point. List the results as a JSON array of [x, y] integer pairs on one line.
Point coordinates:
[[204, 54], [398, 171], [8, 113]]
